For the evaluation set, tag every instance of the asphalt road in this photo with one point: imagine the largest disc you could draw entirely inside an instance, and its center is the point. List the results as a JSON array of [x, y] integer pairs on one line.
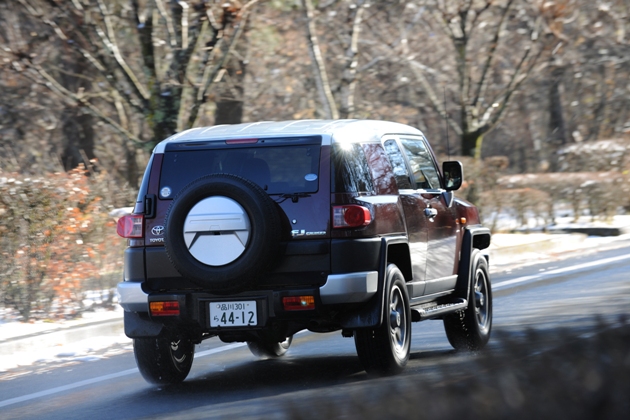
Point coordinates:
[[226, 381]]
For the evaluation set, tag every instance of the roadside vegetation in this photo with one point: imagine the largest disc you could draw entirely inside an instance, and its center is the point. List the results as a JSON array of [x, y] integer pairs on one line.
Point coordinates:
[[57, 241]]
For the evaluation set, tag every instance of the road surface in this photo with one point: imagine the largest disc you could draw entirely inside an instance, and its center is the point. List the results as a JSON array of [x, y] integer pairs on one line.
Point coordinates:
[[226, 381]]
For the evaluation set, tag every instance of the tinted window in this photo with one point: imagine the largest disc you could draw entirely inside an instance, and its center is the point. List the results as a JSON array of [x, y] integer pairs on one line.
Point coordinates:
[[396, 158], [276, 169], [350, 169], [422, 165], [382, 173]]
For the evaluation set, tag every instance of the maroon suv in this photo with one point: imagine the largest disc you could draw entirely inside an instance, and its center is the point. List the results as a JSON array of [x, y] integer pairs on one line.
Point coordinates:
[[254, 232]]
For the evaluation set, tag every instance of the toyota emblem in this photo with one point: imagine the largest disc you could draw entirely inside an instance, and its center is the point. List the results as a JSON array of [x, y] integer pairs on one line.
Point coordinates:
[[157, 230]]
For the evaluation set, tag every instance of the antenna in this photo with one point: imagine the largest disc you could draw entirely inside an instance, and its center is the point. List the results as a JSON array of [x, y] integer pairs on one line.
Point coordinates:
[[448, 146]]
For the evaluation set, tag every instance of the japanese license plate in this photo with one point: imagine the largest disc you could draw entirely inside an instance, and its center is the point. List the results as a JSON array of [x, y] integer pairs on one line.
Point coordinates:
[[233, 314]]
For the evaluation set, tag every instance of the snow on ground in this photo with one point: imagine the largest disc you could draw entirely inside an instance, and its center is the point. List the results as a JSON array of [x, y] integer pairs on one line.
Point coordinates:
[[78, 340], [515, 249]]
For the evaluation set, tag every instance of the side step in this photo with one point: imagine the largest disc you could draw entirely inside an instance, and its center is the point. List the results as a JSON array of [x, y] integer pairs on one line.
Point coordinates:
[[420, 314]]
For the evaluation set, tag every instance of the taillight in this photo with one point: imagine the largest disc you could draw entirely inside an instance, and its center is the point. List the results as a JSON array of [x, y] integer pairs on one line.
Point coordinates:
[[351, 216], [131, 226], [167, 308], [298, 303]]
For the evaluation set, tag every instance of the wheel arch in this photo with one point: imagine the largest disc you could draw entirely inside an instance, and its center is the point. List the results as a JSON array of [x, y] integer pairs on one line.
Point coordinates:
[[475, 238], [394, 250]]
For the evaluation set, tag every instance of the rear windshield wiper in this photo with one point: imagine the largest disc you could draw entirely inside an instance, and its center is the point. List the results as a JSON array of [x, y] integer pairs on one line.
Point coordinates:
[[295, 197]]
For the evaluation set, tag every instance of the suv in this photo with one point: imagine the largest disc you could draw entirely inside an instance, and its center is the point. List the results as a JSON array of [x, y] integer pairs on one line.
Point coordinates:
[[254, 232]]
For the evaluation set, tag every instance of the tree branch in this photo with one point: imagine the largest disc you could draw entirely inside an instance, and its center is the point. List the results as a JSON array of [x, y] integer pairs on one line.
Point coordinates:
[[170, 29], [320, 73], [349, 79], [65, 94], [109, 40], [491, 53], [209, 76]]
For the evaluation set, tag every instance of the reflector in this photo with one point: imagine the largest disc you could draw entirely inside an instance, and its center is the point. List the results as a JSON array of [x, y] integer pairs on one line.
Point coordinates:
[[168, 308], [298, 303]]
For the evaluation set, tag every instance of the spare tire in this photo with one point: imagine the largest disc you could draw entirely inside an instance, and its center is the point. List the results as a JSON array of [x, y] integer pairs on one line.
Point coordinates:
[[222, 231]]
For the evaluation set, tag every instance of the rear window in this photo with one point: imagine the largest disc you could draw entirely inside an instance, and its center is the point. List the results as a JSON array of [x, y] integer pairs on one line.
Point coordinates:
[[282, 169]]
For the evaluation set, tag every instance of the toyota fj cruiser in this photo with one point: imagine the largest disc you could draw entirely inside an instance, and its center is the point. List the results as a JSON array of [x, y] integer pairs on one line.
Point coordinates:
[[254, 232]]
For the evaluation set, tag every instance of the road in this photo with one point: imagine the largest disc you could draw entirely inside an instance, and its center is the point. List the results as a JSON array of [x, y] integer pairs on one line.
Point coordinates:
[[226, 381]]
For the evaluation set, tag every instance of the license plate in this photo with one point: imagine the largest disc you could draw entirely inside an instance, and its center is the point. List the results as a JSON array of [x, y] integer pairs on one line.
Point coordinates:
[[233, 314]]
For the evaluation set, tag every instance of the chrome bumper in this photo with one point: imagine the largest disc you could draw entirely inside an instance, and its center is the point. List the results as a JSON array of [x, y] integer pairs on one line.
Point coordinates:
[[349, 288], [132, 298]]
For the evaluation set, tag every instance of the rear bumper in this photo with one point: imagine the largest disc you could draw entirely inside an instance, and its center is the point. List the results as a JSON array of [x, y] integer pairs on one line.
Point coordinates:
[[349, 287], [338, 289], [132, 298]]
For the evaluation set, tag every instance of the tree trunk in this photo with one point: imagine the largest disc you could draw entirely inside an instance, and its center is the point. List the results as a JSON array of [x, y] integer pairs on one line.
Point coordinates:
[[230, 86], [78, 132], [228, 111], [557, 129], [469, 142]]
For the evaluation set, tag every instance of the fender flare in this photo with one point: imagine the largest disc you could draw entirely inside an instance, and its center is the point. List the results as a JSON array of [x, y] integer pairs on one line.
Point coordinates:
[[371, 314], [476, 237]]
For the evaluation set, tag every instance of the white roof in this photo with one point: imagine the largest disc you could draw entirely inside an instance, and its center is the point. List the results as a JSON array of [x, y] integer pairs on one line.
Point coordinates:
[[330, 130]]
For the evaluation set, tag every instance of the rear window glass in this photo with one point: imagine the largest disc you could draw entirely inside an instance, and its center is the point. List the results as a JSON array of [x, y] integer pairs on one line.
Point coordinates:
[[276, 169], [350, 169]]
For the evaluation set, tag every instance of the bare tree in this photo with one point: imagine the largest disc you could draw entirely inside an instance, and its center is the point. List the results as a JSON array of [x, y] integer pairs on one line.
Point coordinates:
[[153, 62], [494, 45], [321, 75]]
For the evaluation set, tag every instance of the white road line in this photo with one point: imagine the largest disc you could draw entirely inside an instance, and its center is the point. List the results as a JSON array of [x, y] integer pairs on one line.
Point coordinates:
[[550, 273], [103, 378], [67, 387], [218, 350]]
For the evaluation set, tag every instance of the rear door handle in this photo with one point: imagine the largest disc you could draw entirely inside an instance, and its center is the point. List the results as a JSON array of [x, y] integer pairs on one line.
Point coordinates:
[[430, 213]]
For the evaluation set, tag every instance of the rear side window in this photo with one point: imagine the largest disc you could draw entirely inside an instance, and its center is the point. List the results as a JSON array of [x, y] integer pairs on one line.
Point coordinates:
[[350, 171], [276, 169]]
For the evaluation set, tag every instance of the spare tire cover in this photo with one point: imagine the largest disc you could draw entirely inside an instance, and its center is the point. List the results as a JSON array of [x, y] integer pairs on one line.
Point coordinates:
[[221, 232]]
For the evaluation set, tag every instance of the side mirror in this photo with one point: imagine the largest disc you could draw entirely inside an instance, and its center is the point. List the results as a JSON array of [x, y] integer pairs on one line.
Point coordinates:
[[453, 175]]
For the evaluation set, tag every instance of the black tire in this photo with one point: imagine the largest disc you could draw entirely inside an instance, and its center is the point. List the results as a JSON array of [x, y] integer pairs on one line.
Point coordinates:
[[259, 251], [469, 329], [162, 361], [269, 348], [385, 350]]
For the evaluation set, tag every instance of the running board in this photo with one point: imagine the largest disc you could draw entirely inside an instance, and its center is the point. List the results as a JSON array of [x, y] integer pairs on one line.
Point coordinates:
[[420, 314]]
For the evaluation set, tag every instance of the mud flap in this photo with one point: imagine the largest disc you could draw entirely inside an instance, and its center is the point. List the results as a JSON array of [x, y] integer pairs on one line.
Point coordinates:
[[137, 326]]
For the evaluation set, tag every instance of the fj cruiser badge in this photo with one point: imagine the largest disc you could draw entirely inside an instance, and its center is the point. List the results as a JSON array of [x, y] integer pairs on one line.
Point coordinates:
[[302, 232]]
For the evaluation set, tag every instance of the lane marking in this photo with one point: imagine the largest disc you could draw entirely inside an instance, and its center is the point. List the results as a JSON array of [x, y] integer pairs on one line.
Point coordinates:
[[67, 387], [103, 378], [557, 271]]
